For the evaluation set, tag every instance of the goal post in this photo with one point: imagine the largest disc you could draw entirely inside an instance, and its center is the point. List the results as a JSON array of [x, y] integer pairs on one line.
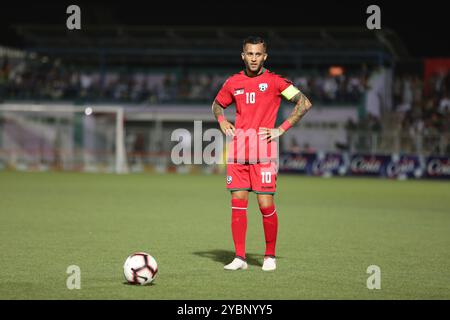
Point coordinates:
[[65, 137]]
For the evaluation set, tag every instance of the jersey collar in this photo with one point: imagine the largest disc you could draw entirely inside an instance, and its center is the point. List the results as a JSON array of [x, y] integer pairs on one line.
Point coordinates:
[[263, 71]]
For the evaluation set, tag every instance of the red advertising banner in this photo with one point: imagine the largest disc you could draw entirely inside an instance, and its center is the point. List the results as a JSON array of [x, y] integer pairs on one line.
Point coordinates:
[[435, 67]]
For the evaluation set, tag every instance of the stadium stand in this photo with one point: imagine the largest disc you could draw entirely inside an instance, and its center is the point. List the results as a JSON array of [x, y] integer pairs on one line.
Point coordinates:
[[185, 65]]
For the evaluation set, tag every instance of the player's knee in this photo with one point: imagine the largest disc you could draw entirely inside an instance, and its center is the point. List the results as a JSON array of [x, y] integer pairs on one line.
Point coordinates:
[[265, 201], [239, 195]]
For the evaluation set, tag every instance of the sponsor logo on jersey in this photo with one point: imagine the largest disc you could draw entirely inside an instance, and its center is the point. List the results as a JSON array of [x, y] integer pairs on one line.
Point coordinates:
[[229, 179], [238, 91], [263, 86]]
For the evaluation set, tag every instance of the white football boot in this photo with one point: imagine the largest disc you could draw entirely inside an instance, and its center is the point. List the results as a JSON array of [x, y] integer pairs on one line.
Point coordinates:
[[236, 264], [269, 264]]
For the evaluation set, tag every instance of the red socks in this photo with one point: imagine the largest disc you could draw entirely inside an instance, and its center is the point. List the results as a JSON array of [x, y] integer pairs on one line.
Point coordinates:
[[270, 223], [239, 225]]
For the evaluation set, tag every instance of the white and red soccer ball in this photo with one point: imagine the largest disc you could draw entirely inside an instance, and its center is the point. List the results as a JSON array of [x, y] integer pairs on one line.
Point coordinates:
[[140, 268]]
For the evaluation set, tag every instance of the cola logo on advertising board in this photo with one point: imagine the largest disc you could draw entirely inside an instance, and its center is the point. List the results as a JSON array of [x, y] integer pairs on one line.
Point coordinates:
[[326, 165], [438, 167], [404, 166], [294, 163], [365, 165]]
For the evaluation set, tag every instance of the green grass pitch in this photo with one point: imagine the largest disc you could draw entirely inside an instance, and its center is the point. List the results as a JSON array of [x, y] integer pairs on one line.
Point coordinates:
[[330, 231]]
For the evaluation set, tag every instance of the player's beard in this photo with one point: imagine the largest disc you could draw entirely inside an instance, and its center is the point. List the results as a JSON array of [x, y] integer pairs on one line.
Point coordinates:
[[257, 69]]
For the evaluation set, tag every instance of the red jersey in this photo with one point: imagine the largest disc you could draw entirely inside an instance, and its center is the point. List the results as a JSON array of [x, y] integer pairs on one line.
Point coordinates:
[[257, 101], [257, 98]]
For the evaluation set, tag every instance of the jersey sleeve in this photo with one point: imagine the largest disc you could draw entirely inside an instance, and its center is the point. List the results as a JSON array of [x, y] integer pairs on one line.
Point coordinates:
[[286, 88], [225, 96]]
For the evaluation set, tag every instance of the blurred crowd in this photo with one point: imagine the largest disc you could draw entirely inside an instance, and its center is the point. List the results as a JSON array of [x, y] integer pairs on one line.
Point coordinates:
[[417, 108], [417, 120], [324, 87], [423, 107], [45, 79]]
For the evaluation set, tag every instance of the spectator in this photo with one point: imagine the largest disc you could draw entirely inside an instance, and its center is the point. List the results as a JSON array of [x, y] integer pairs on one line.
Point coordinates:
[[294, 147], [444, 104], [307, 148]]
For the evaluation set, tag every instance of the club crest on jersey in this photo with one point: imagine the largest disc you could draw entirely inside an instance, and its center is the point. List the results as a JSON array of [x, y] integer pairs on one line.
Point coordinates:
[[263, 87], [229, 179], [238, 91]]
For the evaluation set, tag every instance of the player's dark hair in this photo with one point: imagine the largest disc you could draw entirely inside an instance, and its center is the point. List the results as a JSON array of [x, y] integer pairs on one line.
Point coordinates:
[[254, 40]]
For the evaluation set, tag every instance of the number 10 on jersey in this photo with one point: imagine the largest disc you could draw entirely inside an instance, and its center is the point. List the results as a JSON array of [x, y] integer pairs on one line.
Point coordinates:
[[249, 97], [266, 177]]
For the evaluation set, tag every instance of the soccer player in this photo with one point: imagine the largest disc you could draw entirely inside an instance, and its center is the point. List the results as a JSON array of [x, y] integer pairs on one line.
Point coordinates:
[[256, 93]]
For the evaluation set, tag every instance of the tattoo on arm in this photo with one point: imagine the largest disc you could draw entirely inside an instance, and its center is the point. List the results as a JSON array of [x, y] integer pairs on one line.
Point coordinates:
[[302, 105], [217, 109]]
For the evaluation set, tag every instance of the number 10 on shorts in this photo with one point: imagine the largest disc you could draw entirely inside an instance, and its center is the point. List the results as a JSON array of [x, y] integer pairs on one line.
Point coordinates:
[[266, 177]]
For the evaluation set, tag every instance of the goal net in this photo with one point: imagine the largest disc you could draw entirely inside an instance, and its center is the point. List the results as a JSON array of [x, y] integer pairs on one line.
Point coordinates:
[[62, 137]]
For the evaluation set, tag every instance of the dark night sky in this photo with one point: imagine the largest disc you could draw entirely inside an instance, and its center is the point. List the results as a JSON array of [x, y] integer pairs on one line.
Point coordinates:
[[423, 26]]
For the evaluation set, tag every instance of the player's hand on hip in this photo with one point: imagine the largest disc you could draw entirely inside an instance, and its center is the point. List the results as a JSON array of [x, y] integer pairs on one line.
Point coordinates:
[[227, 128], [270, 134]]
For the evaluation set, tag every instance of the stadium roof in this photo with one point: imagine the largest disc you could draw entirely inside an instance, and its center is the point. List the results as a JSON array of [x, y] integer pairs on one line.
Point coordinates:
[[213, 45]]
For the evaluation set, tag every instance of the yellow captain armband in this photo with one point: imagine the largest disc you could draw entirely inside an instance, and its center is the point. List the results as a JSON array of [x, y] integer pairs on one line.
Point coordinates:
[[290, 92]]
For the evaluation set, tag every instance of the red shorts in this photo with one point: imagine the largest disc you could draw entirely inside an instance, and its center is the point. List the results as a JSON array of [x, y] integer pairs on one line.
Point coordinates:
[[258, 177]]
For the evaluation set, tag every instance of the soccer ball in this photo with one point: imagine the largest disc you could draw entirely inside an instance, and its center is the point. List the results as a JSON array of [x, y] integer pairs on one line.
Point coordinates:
[[140, 268]]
